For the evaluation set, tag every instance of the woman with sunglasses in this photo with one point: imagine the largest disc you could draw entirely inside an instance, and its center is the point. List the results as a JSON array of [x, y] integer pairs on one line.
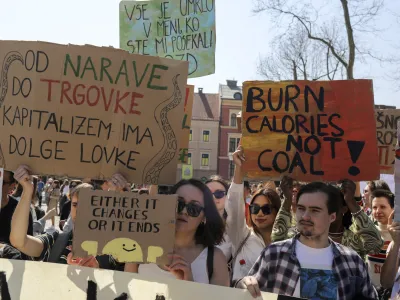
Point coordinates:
[[198, 229], [248, 242], [219, 189]]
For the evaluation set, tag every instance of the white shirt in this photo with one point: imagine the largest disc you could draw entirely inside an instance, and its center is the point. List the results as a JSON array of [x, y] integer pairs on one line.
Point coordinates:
[[316, 273], [376, 261], [198, 266], [237, 231], [226, 247]]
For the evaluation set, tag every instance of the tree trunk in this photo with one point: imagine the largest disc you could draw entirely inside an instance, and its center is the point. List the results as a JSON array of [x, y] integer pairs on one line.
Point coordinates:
[[294, 71], [350, 38]]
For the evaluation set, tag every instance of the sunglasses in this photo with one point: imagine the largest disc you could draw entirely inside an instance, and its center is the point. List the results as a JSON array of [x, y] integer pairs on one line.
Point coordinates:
[[255, 209], [192, 209], [219, 194]]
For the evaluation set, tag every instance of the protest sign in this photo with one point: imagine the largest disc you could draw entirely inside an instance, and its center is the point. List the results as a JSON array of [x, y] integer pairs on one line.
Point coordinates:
[[187, 121], [178, 29], [27, 280], [397, 175], [86, 111], [128, 226], [310, 130], [386, 129]]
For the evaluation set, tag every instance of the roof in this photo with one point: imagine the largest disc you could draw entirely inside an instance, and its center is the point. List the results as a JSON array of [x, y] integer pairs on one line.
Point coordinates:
[[206, 107], [227, 91]]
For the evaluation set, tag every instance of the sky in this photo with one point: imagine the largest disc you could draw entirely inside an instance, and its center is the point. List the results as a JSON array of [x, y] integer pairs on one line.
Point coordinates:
[[242, 36]]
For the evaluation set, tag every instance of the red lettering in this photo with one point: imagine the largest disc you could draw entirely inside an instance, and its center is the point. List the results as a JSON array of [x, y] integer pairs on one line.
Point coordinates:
[[107, 104], [133, 103], [66, 86], [49, 87], [93, 87], [118, 100], [81, 97]]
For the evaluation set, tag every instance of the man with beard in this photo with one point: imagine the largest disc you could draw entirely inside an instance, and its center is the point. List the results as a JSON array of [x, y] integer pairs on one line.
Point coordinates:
[[311, 265]]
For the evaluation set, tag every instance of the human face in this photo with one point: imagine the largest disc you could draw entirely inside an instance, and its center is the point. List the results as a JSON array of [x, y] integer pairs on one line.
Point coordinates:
[[367, 196], [261, 220], [381, 210], [184, 222], [74, 207], [216, 187], [313, 218]]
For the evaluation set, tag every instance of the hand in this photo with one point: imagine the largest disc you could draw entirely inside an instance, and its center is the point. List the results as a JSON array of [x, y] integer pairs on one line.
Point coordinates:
[[348, 188], [238, 157], [180, 268], [118, 183], [90, 262], [394, 229], [250, 283], [24, 178], [287, 187]]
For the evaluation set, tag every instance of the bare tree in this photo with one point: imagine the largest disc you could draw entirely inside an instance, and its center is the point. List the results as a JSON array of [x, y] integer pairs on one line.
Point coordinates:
[[294, 56], [340, 41]]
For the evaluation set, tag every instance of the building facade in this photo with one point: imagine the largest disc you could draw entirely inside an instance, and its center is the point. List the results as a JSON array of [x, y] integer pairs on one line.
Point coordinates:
[[229, 135], [204, 131]]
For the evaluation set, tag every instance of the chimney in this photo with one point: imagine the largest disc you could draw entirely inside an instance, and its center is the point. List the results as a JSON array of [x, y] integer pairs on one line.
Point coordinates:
[[231, 83], [200, 90]]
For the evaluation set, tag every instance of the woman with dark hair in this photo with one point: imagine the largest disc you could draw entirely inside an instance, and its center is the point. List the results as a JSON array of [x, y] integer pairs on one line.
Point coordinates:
[[219, 189], [369, 189], [199, 228], [248, 241]]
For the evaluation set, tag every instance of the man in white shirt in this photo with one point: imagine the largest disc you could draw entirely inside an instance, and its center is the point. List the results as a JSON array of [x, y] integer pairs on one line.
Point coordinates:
[[311, 265]]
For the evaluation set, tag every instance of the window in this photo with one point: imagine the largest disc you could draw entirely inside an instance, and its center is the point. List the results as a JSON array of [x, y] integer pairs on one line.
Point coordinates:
[[206, 135], [204, 160], [189, 158], [233, 144], [190, 135], [233, 120], [237, 96], [231, 168]]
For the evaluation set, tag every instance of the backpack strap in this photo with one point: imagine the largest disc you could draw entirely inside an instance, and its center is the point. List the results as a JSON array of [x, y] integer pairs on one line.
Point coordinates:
[[59, 246], [210, 262]]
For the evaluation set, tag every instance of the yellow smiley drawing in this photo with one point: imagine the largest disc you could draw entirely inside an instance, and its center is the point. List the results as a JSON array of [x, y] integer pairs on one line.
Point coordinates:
[[124, 250]]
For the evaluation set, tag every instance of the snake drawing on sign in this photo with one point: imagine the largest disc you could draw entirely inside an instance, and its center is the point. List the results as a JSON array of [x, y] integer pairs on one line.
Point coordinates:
[[8, 60], [153, 168]]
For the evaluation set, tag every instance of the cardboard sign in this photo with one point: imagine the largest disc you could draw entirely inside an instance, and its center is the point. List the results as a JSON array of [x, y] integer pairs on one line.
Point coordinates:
[[310, 130], [187, 121], [27, 280], [386, 130], [182, 30], [128, 226], [397, 175], [86, 111]]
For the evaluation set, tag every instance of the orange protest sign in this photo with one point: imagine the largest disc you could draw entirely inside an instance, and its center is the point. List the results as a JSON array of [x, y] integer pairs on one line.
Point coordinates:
[[310, 130]]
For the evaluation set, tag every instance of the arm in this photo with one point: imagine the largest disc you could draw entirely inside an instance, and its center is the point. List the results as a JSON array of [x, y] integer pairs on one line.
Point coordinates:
[[131, 268], [282, 223], [369, 238], [391, 265], [28, 245], [236, 226], [220, 272]]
